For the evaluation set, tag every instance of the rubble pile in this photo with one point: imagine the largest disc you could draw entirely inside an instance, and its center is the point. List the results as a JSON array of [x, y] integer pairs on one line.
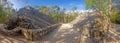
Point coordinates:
[[30, 23]]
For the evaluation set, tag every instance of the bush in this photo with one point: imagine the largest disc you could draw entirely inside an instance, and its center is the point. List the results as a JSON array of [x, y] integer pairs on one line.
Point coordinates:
[[113, 18], [4, 14], [63, 18], [118, 18]]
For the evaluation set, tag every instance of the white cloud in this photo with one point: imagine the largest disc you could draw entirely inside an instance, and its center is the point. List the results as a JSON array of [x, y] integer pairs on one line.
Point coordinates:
[[17, 3], [78, 11]]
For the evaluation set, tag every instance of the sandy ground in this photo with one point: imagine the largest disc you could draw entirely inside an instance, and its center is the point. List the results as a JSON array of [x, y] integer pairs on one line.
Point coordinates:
[[63, 34]]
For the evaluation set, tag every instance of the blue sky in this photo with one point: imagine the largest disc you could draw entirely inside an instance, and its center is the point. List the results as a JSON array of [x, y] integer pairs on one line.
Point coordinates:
[[68, 4]]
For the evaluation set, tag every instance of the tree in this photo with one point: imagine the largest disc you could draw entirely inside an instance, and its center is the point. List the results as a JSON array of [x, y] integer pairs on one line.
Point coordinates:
[[73, 9], [6, 10], [44, 10], [106, 6], [102, 5], [56, 9], [73, 12], [62, 15]]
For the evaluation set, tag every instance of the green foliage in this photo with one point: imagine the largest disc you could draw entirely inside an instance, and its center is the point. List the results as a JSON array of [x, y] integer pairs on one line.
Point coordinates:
[[106, 7], [4, 14], [63, 18], [113, 18], [118, 18], [102, 5], [97, 4], [43, 9], [58, 14]]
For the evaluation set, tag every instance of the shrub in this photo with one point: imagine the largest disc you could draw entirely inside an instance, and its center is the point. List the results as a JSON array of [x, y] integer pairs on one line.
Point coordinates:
[[118, 18], [4, 14], [63, 18], [113, 18]]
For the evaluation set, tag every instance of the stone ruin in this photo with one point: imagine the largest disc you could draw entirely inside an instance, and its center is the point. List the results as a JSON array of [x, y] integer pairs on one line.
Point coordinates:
[[97, 28], [29, 23]]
